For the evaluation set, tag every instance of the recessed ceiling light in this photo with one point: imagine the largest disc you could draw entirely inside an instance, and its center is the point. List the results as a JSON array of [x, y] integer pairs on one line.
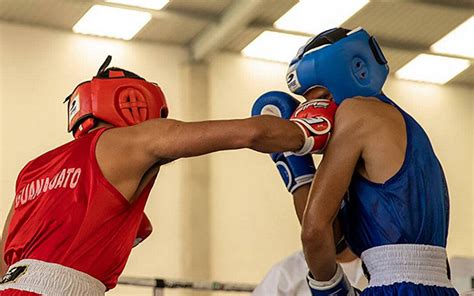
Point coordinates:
[[150, 4], [274, 46], [112, 22], [432, 69], [459, 41], [303, 17]]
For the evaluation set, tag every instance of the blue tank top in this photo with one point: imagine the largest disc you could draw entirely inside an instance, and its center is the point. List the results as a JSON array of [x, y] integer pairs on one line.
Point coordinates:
[[412, 207]]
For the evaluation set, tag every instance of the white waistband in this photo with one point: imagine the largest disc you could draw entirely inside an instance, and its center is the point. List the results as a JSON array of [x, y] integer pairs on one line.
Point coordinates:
[[53, 280], [418, 264]]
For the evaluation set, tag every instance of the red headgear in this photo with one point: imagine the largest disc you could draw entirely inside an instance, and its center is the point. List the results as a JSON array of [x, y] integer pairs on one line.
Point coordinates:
[[115, 96]]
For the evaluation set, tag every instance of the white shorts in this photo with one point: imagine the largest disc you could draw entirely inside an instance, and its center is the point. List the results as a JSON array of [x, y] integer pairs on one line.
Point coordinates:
[[50, 279]]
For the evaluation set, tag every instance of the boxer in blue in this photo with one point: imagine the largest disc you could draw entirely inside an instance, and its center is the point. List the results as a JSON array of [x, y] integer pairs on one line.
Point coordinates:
[[396, 210]]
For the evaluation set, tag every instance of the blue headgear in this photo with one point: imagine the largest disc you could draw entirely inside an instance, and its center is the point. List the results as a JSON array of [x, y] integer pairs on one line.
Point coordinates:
[[347, 63]]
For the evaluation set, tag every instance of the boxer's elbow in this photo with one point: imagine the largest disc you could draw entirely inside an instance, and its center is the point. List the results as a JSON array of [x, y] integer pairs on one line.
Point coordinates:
[[309, 238], [313, 236], [157, 138]]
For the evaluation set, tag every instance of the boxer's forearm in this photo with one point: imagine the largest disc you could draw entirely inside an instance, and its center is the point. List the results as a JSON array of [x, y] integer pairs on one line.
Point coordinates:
[[173, 139], [265, 133], [300, 197], [320, 254], [273, 134]]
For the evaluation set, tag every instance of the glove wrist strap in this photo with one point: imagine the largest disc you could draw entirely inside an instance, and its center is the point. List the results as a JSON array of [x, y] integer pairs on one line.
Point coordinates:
[[326, 285], [301, 181]]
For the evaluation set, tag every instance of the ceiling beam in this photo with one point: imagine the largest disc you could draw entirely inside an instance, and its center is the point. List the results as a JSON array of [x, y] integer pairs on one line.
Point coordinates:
[[214, 36], [452, 4], [416, 47]]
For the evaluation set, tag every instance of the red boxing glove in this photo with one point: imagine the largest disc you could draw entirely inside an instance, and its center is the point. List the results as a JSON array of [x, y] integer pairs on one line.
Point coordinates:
[[316, 119], [144, 230]]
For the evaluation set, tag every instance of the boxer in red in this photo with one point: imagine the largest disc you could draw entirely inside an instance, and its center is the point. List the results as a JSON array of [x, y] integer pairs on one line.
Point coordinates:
[[78, 209]]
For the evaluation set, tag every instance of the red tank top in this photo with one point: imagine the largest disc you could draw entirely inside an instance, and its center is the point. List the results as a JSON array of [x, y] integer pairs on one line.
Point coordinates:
[[66, 212]]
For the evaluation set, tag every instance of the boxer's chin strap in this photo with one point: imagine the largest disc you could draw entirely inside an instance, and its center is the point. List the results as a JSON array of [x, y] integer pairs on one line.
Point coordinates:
[[84, 127]]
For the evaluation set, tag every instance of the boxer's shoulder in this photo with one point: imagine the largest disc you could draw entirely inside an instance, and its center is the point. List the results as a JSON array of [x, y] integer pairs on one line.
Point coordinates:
[[364, 105], [352, 113], [368, 112], [370, 123]]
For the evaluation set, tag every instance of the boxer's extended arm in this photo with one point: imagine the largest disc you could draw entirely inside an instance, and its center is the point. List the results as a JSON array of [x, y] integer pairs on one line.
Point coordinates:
[[124, 154], [172, 139], [329, 186]]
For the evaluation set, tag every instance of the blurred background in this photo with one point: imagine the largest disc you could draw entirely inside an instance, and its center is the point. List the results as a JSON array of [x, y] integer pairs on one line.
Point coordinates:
[[227, 216]]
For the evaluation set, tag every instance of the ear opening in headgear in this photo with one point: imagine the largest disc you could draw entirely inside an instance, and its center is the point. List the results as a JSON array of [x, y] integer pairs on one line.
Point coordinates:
[[133, 105]]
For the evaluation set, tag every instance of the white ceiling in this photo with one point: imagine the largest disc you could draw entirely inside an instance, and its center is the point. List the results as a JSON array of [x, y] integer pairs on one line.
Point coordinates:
[[403, 28]]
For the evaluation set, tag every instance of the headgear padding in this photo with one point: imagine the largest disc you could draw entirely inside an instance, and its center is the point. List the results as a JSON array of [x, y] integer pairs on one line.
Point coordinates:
[[347, 63], [115, 96]]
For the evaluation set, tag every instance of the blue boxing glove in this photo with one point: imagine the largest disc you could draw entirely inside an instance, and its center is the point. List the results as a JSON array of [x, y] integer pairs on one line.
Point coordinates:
[[276, 103], [295, 171], [339, 285]]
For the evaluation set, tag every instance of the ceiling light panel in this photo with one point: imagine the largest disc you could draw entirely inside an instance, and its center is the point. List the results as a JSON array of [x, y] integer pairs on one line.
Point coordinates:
[[313, 17], [112, 22], [274, 46], [149, 4], [459, 42], [432, 69]]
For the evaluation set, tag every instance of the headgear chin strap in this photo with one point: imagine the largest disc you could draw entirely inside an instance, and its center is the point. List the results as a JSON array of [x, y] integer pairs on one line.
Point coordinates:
[[115, 96], [347, 63]]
